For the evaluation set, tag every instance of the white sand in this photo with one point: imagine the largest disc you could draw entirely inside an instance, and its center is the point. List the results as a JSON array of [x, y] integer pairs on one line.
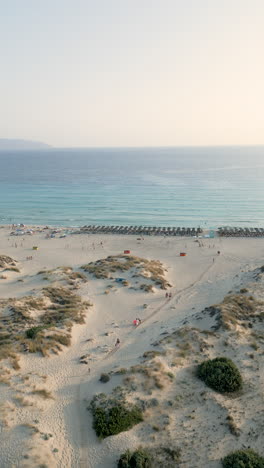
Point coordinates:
[[197, 280]]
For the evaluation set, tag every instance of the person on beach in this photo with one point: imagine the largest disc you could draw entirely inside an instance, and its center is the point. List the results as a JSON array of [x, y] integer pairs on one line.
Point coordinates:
[[169, 295], [117, 342], [166, 295]]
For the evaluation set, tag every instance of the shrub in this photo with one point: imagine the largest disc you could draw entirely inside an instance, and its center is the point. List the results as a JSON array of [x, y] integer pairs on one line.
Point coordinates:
[[243, 459], [141, 458], [32, 332], [221, 374], [104, 378], [116, 419]]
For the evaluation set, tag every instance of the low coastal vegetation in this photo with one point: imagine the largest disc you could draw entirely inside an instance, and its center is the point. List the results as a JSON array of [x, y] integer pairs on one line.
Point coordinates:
[[65, 275], [140, 268], [7, 262], [247, 458], [140, 458], [113, 415], [150, 457], [221, 374], [236, 310], [40, 323]]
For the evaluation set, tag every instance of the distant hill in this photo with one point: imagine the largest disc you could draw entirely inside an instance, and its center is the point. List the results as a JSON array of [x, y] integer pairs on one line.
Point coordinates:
[[6, 144]]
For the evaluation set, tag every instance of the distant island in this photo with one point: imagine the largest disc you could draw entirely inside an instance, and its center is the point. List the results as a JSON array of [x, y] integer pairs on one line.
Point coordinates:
[[10, 144]]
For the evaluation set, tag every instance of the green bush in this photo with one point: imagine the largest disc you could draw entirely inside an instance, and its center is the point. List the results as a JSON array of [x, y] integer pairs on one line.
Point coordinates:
[[116, 419], [32, 332], [221, 374], [243, 459], [138, 459], [104, 378]]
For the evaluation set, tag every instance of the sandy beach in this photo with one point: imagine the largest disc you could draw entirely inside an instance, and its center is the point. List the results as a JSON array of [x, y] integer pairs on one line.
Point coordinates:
[[54, 428]]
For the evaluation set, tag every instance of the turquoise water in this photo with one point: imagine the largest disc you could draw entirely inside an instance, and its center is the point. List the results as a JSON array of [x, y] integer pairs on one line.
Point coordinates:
[[209, 187]]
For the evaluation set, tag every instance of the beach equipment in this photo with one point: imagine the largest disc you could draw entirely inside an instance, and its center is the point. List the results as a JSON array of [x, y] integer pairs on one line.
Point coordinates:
[[182, 254], [136, 322], [126, 251], [35, 247], [120, 280]]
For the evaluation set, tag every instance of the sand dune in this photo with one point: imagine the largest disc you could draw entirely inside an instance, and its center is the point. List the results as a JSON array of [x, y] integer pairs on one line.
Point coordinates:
[[44, 399]]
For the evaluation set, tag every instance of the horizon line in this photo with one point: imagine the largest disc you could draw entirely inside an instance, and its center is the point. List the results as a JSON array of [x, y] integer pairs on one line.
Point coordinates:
[[51, 147]]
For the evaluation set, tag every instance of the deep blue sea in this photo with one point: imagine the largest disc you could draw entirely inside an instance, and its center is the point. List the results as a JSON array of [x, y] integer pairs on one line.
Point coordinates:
[[206, 187]]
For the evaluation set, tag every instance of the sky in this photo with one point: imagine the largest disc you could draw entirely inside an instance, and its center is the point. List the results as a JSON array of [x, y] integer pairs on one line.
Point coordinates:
[[88, 73]]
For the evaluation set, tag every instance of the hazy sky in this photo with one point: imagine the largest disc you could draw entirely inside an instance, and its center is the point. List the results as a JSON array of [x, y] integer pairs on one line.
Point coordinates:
[[132, 72]]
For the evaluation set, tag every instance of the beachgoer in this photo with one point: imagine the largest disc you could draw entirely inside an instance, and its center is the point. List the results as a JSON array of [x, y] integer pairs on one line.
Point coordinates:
[[218, 252], [166, 295], [170, 295], [117, 342]]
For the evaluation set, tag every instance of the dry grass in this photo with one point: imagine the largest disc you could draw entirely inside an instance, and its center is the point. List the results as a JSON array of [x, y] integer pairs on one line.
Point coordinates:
[[146, 287], [64, 274], [43, 393], [233, 428], [148, 269], [12, 269], [235, 310], [40, 324], [152, 375], [5, 260]]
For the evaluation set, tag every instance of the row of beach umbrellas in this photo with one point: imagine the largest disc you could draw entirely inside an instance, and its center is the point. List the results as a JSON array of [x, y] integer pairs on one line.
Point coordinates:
[[240, 232], [142, 230]]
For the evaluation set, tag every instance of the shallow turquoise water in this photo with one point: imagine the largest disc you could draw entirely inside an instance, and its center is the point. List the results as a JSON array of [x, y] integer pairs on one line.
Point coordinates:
[[162, 186]]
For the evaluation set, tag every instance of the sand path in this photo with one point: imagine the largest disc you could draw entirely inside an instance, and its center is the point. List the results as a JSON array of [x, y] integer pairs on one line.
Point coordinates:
[[81, 407]]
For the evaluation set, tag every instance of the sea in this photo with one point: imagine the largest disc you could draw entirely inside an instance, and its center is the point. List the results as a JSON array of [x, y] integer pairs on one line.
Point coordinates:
[[182, 186]]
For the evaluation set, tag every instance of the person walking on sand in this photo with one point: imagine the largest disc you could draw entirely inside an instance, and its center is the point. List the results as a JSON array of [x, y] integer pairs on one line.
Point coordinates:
[[117, 342]]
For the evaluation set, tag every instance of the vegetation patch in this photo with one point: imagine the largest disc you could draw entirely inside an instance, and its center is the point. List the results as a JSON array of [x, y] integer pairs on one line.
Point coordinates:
[[235, 309], [141, 458], [12, 269], [112, 416], [43, 393], [147, 269], [247, 458], [65, 275], [149, 457], [221, 374], [7, 261], [152, 375], [104, 378], [39, 324]]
